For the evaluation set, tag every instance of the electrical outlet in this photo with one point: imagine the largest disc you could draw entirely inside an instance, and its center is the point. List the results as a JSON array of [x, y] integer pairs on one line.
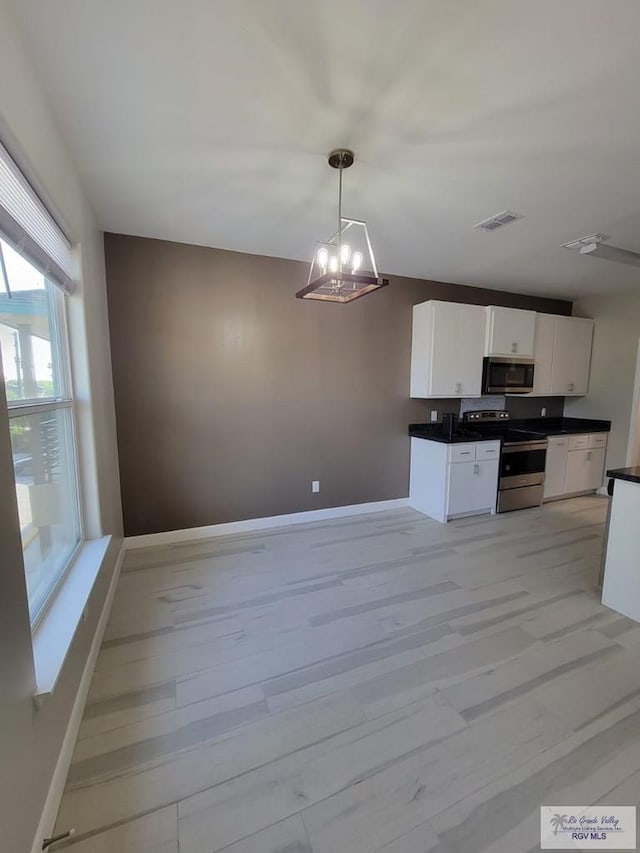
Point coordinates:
[[434, 416], [315, 486], [543, 412]]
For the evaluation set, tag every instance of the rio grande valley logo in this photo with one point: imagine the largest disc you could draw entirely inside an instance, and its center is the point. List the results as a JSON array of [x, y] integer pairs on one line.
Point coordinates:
[[588, 828]]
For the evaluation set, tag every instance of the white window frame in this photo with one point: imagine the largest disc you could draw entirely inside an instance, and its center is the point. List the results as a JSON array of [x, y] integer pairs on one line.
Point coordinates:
[[59, 335], [29, 228]]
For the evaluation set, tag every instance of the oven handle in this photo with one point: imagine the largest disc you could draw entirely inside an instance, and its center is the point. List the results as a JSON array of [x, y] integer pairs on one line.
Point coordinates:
[[519, 448]]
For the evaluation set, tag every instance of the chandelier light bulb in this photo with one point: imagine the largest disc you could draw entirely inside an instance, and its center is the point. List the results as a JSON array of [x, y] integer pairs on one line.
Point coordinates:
[[333, 263], [356, 261], [323, 257], [345, 253]]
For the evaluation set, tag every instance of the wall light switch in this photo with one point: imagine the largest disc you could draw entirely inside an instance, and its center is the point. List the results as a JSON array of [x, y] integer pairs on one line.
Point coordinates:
[[543, 411], [434, 416], [315, 485]]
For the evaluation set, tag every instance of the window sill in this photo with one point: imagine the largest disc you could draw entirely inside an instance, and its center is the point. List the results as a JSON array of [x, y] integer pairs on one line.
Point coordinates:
[[53, 636]]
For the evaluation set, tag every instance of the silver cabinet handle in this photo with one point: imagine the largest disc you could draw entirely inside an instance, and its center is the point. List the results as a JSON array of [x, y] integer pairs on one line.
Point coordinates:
[[514, 347], [589, 456], [458, 387], [476, 468], [571, 386], [465, 453]]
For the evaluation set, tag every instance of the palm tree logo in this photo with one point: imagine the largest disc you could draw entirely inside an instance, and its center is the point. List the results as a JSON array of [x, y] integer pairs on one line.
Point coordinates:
[[557, 822]]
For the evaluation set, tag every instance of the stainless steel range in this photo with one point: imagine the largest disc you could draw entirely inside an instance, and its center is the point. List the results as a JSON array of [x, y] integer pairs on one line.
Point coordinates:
[[522, 459]]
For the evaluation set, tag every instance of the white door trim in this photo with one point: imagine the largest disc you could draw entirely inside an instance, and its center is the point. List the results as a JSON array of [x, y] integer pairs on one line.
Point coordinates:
[[633, 444]]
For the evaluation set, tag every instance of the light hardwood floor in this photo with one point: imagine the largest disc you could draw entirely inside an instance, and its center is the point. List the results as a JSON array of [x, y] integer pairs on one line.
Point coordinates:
[[378, 683]]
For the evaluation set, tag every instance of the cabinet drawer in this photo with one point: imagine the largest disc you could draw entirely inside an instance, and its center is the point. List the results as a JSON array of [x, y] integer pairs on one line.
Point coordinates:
[[559, 441], [578, 442], [488, 450], [597, 439], [462, 453]]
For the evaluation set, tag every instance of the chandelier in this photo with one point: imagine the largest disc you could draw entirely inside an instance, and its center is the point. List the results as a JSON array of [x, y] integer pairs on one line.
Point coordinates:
[[343, 267]]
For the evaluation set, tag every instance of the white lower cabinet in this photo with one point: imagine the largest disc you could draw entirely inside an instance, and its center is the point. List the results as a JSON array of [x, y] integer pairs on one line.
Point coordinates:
[[452, 480], [574, 464], [585, 470], [555, 477], [472, 487]]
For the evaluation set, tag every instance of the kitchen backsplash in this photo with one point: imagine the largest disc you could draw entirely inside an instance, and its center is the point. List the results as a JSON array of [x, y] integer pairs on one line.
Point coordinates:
[[531, 407], [518, 407], [476, 404]]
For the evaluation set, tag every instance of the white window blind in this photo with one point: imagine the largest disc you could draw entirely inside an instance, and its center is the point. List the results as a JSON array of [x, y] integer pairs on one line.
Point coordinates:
[[29, 227]]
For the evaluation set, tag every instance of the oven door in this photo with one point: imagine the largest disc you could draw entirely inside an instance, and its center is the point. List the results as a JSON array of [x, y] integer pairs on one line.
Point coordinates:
[[522, 465], [507, 375]]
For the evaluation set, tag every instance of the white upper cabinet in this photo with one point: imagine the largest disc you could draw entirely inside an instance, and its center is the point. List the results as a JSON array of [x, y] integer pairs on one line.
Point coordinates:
[[450, 340], [510, 331], [543, 353], [571, 356], [562, 354], [447, 349]]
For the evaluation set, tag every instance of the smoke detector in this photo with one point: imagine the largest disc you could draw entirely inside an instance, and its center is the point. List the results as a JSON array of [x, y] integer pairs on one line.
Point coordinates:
[[498, 221], [584, 244]]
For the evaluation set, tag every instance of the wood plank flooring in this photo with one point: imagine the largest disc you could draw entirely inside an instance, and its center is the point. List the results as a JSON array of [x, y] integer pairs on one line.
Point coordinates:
[[376, 684]]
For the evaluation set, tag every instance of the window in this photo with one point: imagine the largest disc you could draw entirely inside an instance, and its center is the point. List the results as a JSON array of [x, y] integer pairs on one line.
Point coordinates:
[[37, 267], [35, 368]]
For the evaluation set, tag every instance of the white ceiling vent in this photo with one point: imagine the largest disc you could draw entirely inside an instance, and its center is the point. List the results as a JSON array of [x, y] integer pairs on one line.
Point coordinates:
[[498, 221]]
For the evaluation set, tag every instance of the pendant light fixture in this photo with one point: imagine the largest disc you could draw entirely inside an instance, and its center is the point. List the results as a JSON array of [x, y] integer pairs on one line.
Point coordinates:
[[343, 267]]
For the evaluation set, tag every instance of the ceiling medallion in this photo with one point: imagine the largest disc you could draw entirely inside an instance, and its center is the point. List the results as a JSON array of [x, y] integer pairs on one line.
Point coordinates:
[[343, 267]]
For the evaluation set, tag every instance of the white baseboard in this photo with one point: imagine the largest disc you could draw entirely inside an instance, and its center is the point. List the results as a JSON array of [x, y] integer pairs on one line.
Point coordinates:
[[56, 788], [212, 530]]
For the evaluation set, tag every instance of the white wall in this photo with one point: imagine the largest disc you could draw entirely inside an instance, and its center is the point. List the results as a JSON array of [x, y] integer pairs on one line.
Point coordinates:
[[613, 364], [30, 740]]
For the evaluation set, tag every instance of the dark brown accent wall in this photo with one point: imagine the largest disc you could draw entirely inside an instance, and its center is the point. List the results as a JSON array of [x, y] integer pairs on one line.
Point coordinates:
[[232, 395]]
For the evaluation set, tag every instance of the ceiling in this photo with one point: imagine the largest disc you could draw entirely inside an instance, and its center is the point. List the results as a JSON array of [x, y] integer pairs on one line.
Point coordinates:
[[209, 121]]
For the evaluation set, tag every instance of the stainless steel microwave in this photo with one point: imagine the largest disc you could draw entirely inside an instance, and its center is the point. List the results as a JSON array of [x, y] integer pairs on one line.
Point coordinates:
[[507, 375]]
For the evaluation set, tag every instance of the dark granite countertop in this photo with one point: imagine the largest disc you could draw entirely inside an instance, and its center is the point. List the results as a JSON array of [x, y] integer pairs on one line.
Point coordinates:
[[561, 426], [538, 426], [433, 432], [632, 475]]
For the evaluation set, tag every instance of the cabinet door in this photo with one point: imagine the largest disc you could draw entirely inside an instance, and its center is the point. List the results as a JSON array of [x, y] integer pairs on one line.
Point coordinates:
[[461, 484], [578, 471], [470, 345], [444, 350], [543, 353], [510, 331], [571, 356], [556, 467], [458, 342], [473, 486], [487, 483], [595, 462]]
